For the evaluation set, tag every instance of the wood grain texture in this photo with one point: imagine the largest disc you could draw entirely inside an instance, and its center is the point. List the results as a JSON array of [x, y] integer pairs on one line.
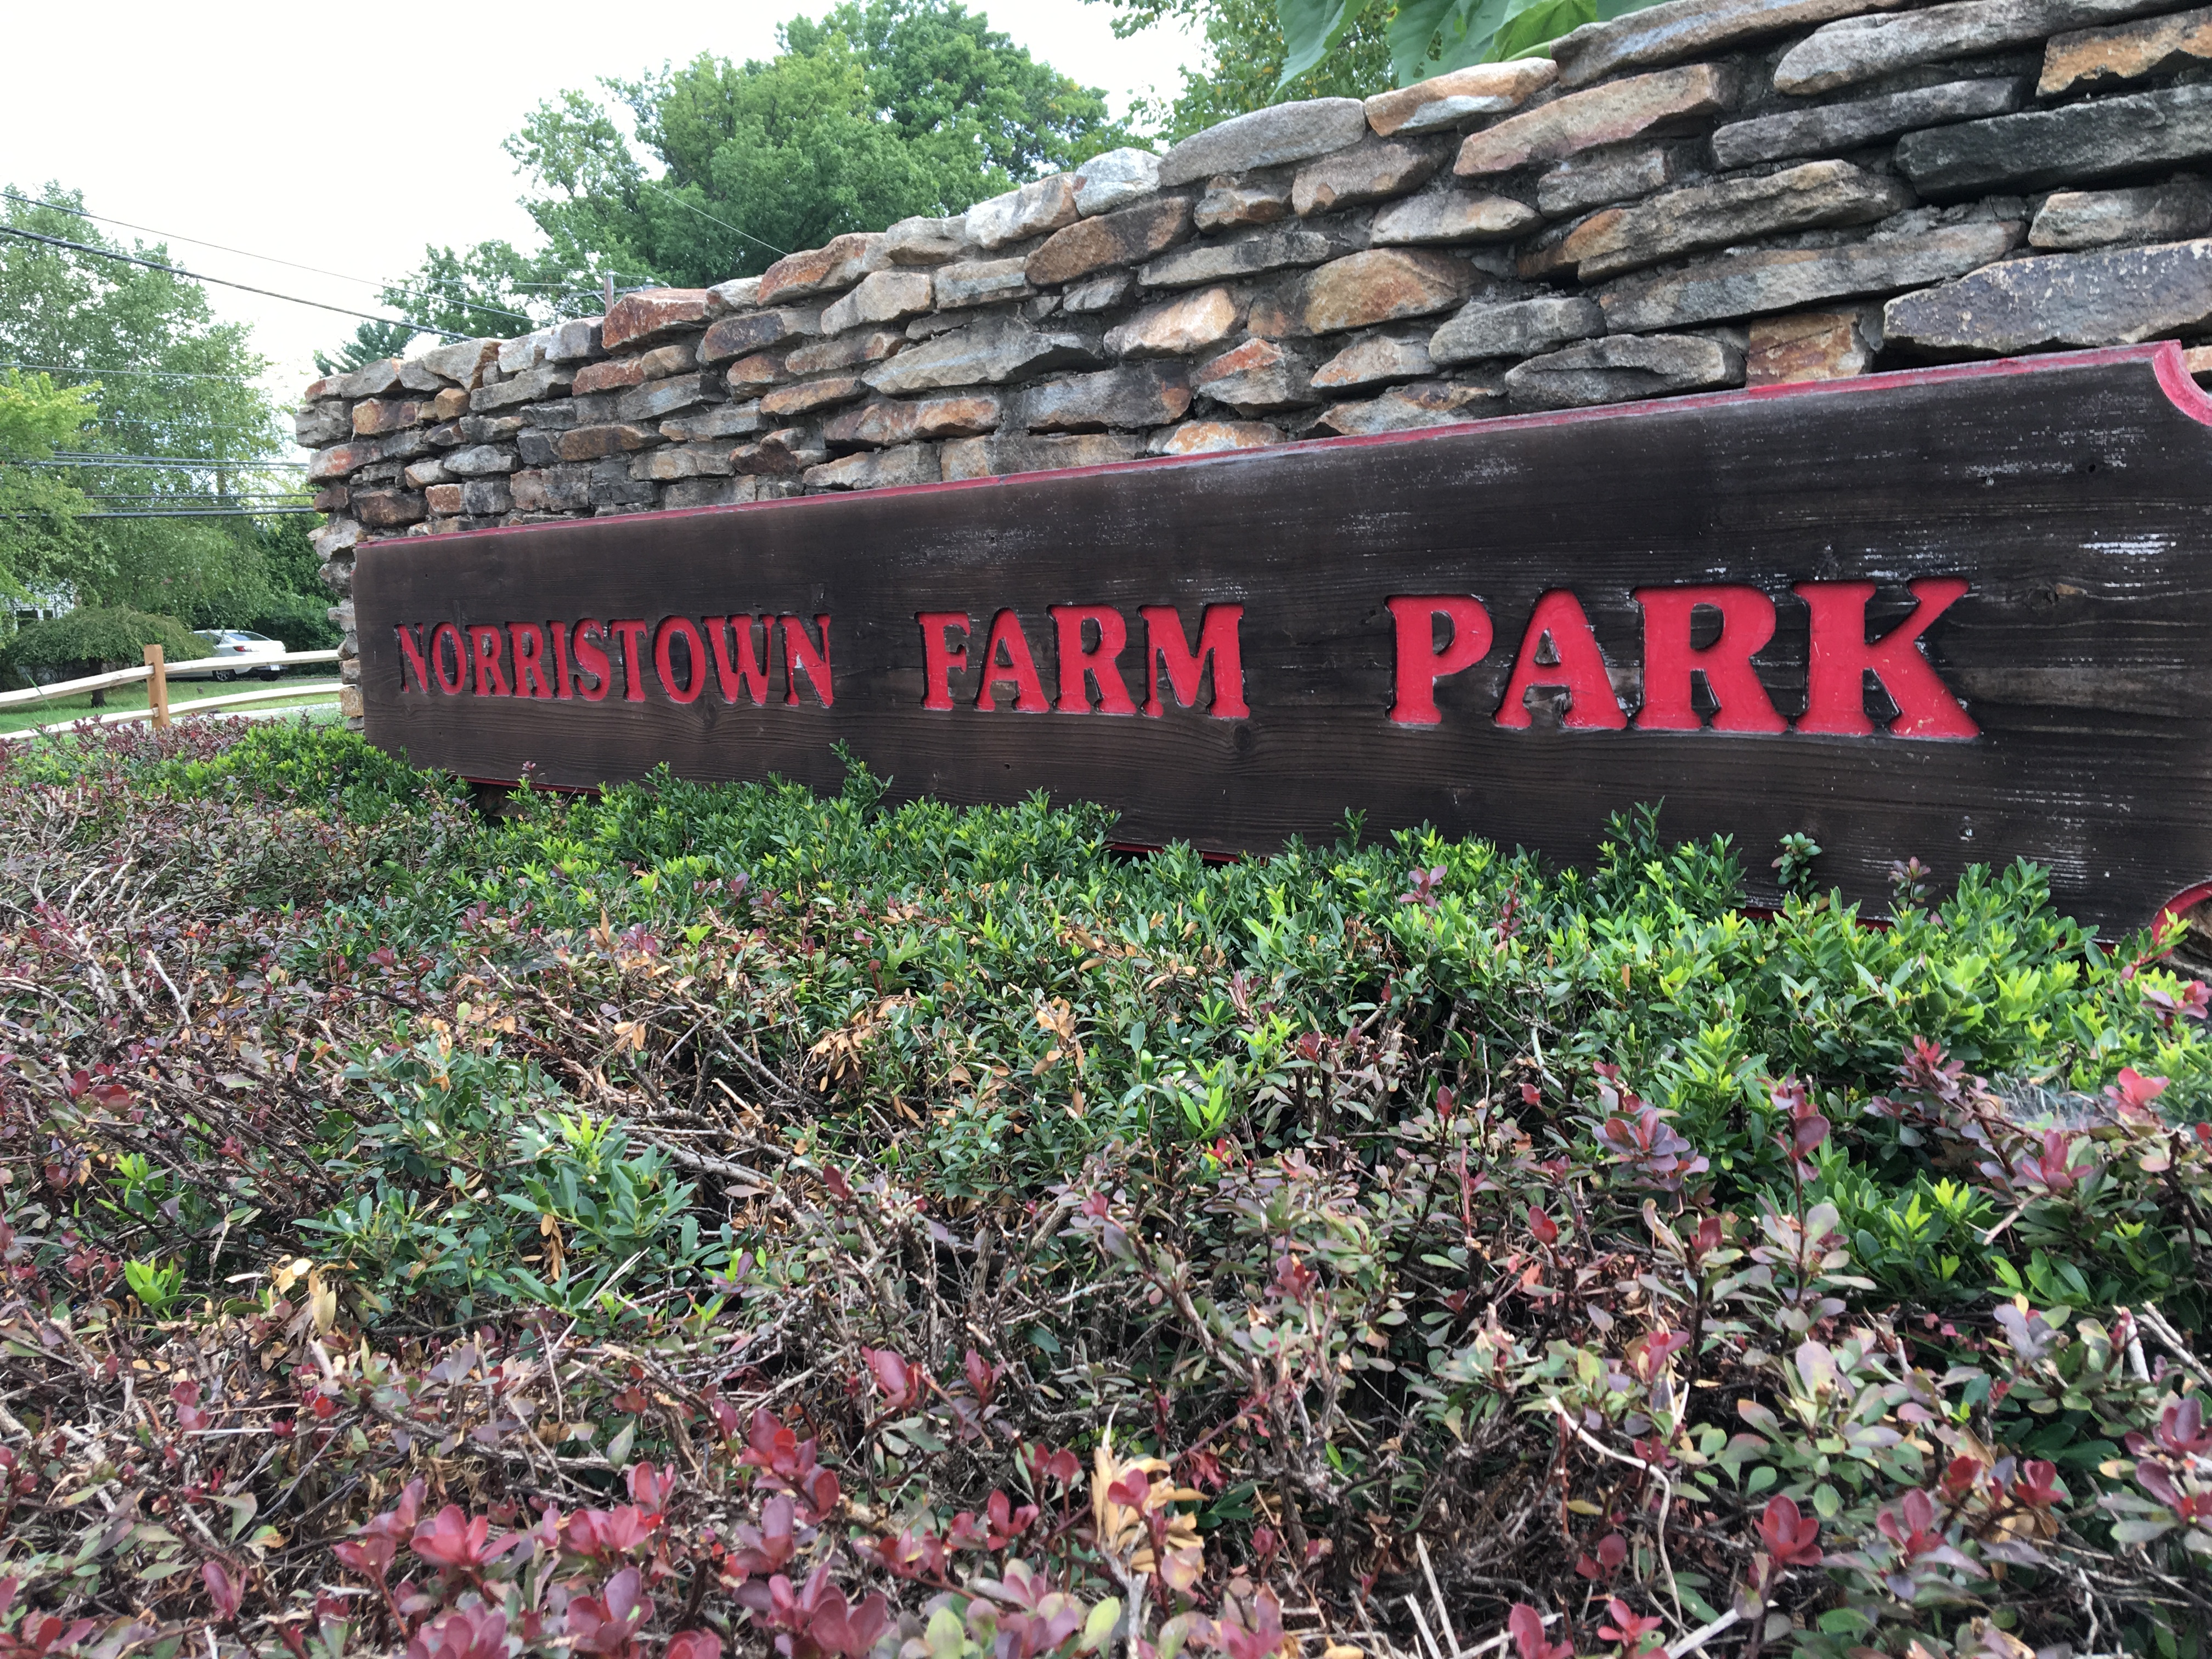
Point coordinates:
[[2071, 492]]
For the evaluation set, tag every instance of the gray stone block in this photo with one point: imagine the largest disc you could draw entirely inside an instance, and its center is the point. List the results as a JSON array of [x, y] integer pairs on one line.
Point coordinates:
[[1265, 138], [1520, 329], [2153, 213], [1861, 48], [1835, 127], [1783, 279], [2036, 149], [2111, 298], [1621, 369]]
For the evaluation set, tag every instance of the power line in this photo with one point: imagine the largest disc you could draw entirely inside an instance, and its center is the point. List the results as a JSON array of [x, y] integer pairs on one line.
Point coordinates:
[[265, 258], [96, 458], [187, 513], [711, 218], [220, 281], [160, 374]]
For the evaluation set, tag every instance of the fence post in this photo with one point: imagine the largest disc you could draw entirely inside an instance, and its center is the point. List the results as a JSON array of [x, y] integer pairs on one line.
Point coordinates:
[[157, 687]]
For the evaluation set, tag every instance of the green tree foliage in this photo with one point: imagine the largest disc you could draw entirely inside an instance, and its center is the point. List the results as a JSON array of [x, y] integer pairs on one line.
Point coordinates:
[[1430, 37], [160, 376], [1245, 55], [92, 635], [880, 110], [42, 540]]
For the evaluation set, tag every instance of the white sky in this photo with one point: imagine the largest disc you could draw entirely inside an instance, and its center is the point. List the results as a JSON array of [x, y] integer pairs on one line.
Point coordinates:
[[347, 137]]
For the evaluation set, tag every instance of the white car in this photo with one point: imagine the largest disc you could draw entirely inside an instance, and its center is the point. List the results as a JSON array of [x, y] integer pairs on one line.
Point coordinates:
[[235, 653]]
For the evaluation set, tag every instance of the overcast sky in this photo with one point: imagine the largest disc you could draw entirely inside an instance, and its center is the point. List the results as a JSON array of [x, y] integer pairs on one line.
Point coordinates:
[[306, 132]]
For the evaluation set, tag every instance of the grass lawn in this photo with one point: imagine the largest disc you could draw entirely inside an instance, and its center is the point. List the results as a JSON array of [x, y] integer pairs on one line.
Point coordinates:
[[16, 717]]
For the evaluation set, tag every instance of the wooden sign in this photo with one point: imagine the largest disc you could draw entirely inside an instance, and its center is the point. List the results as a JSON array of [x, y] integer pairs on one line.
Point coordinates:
[[1963, 614]]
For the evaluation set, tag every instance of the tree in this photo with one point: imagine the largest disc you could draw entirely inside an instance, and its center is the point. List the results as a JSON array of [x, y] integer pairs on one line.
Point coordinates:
[[164, 378], [1431, 37], [93, 639], [1245, 60], [880, 110], [44, 544]]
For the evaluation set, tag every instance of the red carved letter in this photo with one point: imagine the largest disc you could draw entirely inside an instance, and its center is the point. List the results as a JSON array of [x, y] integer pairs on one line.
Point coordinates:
[[490, 649], [664, 658], [1098, 664], [1166, 645], [799, 657], [1669, 659], [940, 656], [1007, 661], [447, 635], [562, 686], [1420, 665], [1591, 706], [410, 647], [1835, 683], [750, 669], [591, 660], [632, 631], [529, 641]]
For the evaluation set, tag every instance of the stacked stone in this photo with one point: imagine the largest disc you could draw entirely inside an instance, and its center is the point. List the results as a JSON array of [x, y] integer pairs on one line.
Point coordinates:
[[1706, 194]]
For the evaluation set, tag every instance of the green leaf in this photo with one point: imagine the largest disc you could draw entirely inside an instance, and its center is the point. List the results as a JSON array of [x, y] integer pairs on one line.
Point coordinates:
[[618, 1448], [945, 1636], [1100, 1625], [1310, 28]]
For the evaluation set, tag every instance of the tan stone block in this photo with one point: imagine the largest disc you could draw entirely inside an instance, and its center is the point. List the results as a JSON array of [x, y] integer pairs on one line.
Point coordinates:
[[648, 319], [1365, 172], [1231, 201], [615, 374], [883, 296], [810, 395], [1126, 238], [444, 499], [1445, 101], [885, 469], [591, 443], [817, 270], [755, 373], [379, 415], [1380, 285], [882, 425], [1257, 377], [1451, 215], [844, 351], [1190, 323], [1603, 115], [450, 404], [1374, 362], [1214, 437], [349, 704], [2098, 57], [1810, 345]]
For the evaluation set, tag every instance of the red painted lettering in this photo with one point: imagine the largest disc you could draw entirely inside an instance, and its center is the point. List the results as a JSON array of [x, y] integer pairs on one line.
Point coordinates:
[[940, 656], [672, 630], [1670, 660], [749, 671], [410, 649], [632, 632], [591, 660], [490, 651], [562, 685], [528, 640], [800, 657], [1095, 665], [1007, 661], [1421, 664], [1218, 643], [1577, 664], [1841, 655], [446, 642]]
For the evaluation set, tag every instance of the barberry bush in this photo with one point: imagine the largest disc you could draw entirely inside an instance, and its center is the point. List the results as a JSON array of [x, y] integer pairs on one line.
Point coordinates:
[[692, 1220]]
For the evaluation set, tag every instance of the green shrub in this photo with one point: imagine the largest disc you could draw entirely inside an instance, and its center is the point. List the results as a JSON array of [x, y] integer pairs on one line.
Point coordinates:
[[97, 636]]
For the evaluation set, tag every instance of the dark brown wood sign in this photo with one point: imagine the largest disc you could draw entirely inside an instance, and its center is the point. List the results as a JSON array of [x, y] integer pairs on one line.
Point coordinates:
[[1963, 614]]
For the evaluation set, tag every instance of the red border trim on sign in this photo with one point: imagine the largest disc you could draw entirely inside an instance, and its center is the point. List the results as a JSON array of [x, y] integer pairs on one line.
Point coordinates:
[[2164, 356]]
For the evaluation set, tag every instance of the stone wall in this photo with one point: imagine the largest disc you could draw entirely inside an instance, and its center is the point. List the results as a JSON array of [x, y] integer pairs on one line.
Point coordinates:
[[1708, 194]]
